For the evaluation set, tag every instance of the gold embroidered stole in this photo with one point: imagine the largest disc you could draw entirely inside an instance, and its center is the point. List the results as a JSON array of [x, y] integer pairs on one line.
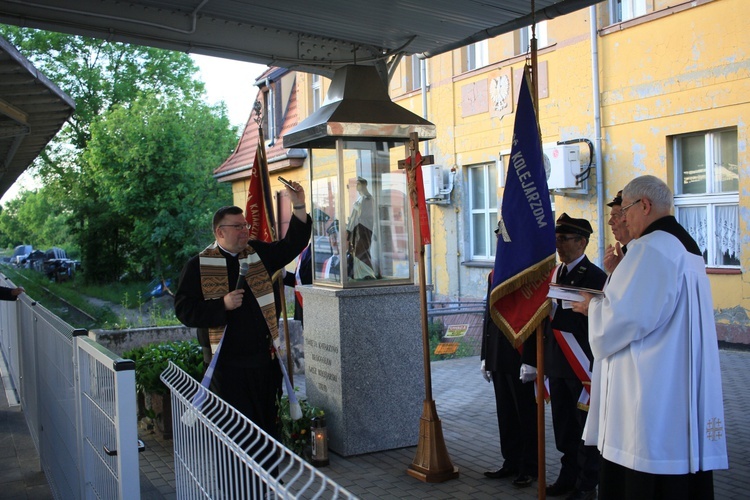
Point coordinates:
[[215, 284]]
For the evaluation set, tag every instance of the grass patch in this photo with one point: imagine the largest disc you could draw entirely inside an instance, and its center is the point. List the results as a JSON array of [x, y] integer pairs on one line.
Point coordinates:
[[39, 287], [128, 295]]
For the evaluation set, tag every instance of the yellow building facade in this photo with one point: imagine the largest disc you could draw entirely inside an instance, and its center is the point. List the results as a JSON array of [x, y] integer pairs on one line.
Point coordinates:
[[654, 89]]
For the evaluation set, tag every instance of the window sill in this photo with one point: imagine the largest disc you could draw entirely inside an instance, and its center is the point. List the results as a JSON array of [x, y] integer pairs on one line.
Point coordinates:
[[487, 264], [651, 16], [722, 270]]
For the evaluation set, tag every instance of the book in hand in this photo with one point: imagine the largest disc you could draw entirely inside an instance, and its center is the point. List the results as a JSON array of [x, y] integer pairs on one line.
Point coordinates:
[[569, 292]]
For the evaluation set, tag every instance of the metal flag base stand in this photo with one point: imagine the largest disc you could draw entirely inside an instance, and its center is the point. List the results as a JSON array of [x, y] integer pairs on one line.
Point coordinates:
[[431, 463]]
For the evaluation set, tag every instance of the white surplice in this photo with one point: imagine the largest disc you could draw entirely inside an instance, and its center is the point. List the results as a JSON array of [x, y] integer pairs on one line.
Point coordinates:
[[656, 402]]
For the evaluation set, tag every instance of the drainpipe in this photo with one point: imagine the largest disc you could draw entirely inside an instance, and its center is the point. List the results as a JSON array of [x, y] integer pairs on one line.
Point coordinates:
[[427, 248], [597, 133]]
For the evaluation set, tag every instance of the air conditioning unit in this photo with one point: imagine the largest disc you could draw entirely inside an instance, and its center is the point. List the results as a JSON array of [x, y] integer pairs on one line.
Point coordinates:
[[562, 164], [438, 183]]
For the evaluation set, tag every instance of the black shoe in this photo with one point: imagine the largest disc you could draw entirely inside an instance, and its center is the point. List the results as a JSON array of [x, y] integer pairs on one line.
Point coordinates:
[[523, 481], [557, 489], [582, 495], [500, 473]]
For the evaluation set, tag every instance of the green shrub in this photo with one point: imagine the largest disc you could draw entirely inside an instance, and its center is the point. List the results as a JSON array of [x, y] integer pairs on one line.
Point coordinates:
[[436, 331], [152, 360], [295, 434]]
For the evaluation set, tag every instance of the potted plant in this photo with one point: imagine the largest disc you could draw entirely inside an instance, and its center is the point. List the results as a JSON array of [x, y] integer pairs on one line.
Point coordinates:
[[295, 434], [150, 361]]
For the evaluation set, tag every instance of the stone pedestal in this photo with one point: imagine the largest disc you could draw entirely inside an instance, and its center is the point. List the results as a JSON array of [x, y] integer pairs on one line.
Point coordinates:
[[364, 365]]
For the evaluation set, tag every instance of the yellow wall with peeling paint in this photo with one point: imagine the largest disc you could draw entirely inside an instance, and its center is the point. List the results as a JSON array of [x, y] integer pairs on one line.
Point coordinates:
[[680, 68], [676, 70]]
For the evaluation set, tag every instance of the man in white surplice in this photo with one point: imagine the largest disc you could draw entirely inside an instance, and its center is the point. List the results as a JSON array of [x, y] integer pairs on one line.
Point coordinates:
[[656, 413]]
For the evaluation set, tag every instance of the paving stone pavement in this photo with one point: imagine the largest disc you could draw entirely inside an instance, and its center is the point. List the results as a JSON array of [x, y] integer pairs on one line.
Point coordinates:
[[465, 406]]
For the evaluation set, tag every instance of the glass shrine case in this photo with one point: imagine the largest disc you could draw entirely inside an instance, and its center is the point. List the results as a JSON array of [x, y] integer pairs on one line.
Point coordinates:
[[361, 214]]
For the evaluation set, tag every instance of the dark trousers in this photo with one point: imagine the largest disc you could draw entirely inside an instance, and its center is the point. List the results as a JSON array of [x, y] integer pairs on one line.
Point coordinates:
[[252, 386], [517, 422], [620, 483], [579, 463]]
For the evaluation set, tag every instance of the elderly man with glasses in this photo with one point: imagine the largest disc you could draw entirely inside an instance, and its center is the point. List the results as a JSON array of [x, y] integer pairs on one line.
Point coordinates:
[[657, 413], [615, 253], [243, 318]]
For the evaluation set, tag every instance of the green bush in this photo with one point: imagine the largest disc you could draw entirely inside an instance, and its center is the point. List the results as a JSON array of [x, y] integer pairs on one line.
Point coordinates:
[[153, 359], [436, 331], [295, 434]]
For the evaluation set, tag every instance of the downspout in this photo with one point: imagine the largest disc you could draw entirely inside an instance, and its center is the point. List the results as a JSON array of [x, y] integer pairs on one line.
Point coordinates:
[[597, 133], [427, 248]]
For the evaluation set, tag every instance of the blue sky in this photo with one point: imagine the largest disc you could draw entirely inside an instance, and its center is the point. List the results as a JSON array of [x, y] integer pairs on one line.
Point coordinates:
[[232, 82]]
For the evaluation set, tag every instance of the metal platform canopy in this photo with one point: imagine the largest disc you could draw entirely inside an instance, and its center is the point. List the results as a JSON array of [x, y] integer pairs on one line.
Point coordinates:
[[316, 36], [32, 111]]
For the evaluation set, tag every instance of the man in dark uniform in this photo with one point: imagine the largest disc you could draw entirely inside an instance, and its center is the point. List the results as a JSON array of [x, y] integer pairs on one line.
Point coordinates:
[[568, 359], [514, 402], [244, 320]]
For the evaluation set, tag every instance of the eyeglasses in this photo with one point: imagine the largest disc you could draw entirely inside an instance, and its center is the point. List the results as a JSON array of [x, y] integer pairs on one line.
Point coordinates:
[[561, 239], [237, 227], [624, 209]]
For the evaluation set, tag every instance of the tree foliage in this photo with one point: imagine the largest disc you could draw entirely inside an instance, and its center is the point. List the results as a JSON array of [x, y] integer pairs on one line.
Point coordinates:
[[130, 173], [150, 165], [35, 216]]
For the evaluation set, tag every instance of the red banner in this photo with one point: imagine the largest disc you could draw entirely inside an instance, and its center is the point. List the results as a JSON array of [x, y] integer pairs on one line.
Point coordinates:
[[423, 216], [259, 209]]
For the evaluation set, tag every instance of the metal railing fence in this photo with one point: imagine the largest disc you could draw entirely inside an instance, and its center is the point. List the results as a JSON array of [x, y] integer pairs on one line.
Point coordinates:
[[108, 427], [78, 399], [219, 453]]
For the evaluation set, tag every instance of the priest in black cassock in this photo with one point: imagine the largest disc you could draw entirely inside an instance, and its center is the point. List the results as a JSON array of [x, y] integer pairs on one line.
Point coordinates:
[[247, 374]]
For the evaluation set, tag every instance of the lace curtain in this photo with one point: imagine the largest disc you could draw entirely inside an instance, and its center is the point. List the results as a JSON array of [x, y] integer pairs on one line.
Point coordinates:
[[693, 219], [726, 229]]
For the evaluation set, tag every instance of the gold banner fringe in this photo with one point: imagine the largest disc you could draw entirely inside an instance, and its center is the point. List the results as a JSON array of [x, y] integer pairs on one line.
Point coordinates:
[[529, 275]]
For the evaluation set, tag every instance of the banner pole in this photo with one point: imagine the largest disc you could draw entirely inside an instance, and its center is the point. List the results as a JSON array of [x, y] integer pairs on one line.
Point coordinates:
[[431, 463]]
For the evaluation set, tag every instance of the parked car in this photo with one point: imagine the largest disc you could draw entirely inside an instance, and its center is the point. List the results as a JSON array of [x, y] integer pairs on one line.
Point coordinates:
[[34, 260], [157, 288], [57, 266], [20, 254]]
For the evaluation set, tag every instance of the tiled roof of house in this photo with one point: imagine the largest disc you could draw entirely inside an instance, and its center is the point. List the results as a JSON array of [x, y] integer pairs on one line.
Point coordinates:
[[239, 164]]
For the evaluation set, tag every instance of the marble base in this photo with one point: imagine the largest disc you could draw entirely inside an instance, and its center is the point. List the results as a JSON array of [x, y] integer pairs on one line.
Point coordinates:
[[364, 365]]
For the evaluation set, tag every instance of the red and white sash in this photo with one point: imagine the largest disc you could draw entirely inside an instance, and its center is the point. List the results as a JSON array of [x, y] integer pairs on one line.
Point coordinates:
[[298, 283], [577, 360], [327, 265]]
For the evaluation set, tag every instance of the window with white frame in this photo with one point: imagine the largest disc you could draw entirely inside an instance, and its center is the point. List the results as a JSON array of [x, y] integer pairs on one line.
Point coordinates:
[[482, 182], [707, 193], [315, 93], [477, 55], [624, 10], [414, 73], [523, 38]]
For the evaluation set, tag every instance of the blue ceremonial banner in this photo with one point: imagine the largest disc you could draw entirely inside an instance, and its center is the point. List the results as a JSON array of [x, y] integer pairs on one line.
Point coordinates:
[[526, 244]]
